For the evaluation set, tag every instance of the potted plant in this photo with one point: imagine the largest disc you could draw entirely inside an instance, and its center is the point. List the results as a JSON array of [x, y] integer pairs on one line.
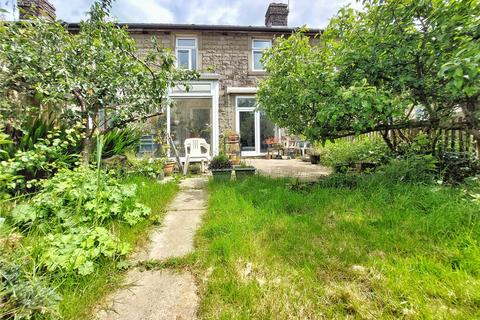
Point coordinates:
[[314, 157], [244, 171], [168, 168], [221, 168]]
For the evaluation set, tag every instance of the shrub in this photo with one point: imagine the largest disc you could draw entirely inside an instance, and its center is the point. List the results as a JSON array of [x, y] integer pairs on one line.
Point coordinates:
[[73, 210], [220, 161], [24, 294], [79, 196], [195, 168], [148, 167], [23, 170], [348, 152], [121, 140]]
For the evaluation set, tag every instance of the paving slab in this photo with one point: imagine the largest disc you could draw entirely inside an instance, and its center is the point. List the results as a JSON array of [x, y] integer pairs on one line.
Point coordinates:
[[163, 294], [188, 199], [153, 295]]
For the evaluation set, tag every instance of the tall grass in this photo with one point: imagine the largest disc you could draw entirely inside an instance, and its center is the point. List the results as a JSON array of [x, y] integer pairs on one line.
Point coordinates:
[[273, 249]]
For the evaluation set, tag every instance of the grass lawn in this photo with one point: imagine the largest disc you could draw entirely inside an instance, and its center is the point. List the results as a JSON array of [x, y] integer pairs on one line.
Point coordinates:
[[270, 249], [81, 294]]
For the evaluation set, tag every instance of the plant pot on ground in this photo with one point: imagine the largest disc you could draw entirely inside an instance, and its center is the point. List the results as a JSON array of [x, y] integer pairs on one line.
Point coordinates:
[[221, 168], [244, 171], [168, 168], [314, 158]]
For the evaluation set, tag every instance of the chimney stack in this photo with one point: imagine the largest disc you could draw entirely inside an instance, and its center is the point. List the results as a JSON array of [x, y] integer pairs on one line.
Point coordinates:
[[36, 8], [277, 15]]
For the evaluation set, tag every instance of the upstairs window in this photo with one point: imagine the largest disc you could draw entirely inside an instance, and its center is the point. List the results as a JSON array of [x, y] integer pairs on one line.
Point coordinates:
[[258, 46], [186, 52]]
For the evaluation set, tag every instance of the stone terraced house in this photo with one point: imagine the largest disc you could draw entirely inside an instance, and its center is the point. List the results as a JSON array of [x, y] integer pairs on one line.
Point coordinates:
[[228, 60]]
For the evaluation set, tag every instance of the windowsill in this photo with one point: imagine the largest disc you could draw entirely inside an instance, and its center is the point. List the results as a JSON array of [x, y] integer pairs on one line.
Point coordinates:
[[256, 73]]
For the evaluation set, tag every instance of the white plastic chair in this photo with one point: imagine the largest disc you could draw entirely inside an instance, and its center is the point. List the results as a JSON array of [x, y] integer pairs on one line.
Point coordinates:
[[196, 150]]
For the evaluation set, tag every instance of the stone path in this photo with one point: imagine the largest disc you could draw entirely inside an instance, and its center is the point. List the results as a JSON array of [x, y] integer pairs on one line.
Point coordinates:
[[164, 294]]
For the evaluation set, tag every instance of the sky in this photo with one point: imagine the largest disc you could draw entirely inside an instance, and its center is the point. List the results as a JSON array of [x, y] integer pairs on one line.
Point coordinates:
[[313, 13]]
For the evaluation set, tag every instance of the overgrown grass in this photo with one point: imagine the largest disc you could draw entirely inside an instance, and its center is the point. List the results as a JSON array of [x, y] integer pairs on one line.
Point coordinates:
[[81, 294], [270, 249]]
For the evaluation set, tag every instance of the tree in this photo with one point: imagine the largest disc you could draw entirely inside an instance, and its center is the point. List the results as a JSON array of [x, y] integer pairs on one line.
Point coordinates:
[[395, 65], [94, 76]]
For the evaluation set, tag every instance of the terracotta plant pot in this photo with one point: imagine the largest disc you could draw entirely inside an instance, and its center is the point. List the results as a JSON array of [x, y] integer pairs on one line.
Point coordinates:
[[168, 168], [235, 162]]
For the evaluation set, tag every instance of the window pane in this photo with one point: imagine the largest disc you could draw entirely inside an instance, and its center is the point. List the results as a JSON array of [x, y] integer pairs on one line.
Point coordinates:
[[247, 130], [190, 118], [246, 102], [194, 59], [261, 44], [267, 130], [182, 58], [257, 65], [186, 43], [147, 146]]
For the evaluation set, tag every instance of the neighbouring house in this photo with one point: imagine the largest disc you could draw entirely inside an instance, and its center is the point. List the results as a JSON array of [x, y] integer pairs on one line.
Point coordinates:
[[228, 60]]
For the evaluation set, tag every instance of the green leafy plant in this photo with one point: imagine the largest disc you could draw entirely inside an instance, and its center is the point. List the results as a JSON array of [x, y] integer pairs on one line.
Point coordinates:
[[348, 152], [220, 161], [79, 196], [79, 249], [243, 164], [411, 169], [24, 292], [24, 169], [118, 141], [145, 166]]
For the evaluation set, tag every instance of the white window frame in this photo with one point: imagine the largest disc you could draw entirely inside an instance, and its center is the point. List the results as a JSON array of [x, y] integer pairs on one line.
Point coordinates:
[[257, 50], [257, 113], [187, 48]]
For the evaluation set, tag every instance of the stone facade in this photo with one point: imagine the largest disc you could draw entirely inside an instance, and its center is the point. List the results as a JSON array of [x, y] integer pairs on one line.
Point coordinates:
[[226, 54]]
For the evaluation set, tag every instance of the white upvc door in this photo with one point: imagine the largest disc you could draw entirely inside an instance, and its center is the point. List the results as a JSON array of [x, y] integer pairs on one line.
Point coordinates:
[[252, 126], [248, 126]]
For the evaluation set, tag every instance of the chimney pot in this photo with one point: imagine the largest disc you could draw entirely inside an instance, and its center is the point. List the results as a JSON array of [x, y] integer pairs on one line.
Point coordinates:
[[36, 8], [277, 15]]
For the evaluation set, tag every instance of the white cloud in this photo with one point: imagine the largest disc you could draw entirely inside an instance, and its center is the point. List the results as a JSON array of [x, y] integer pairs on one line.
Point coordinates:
[[314, 13], [142, 11]]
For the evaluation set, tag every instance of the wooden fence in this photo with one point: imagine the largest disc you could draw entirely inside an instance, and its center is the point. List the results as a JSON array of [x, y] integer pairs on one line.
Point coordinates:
[[453, 142]]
